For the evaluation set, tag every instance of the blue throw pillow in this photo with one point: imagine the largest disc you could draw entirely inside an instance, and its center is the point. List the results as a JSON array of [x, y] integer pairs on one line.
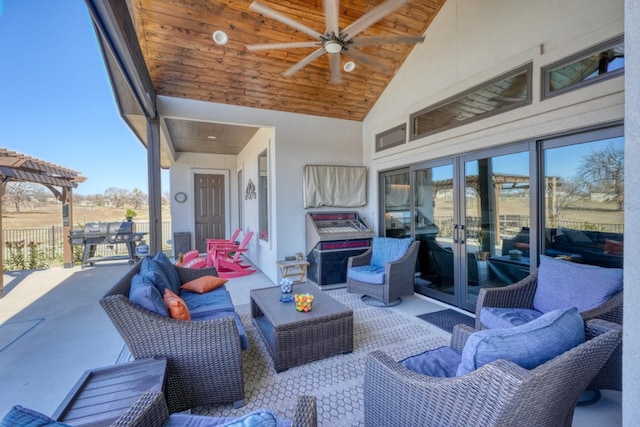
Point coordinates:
[[152, 271], [529, 345], [146, 295], [500, 317], [388, 249], [20, 416], [563, 284], [258, 418], [441, 362], [169, 270]]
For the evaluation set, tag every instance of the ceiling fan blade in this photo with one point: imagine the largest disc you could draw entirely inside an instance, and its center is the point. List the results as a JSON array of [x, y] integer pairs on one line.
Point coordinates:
[[331, 16], [372, 41], [373, 16], [366, 59], [267, 46], [304, 62], [334, 62], [273, 14]]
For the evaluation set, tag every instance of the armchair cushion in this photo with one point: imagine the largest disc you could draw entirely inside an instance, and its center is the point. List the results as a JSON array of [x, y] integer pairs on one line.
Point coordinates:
[[144, 294], [387, 249], [563, 283], [528, 345], [167, 268], [368, 273], [441, 362], [25, 417], [259, 418], [502, 318], [152, 271]]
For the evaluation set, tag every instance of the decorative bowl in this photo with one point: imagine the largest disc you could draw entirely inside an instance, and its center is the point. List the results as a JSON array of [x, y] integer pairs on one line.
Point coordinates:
[[304, 302]]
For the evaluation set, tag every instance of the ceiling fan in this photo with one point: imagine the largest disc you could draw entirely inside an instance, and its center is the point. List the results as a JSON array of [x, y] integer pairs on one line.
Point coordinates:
[[334, 41]]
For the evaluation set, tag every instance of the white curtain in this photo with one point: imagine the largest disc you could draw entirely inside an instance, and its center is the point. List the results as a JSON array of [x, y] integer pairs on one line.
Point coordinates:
[[339, 186]]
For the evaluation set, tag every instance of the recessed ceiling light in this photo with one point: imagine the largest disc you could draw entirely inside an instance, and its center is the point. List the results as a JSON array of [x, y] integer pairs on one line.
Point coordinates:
[[212, 137], [220, 37], [349, 66]]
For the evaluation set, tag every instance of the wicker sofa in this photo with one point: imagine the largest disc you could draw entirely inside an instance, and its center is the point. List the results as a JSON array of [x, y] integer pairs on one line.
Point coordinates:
[[204, 357], [499, 393]]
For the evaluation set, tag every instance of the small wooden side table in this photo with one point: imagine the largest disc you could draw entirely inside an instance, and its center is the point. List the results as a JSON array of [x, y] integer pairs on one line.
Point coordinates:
[[296, 268], [102, 395]]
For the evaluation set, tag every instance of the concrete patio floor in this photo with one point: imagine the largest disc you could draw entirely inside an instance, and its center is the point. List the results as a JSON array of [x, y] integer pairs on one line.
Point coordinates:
[[52, 329]]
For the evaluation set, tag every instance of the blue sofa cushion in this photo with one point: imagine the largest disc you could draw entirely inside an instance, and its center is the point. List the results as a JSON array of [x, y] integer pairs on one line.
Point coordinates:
[[209, 302], [441, 362], [146, 295], [19, 416], [388, 249], [564, 284], [528, 345], [152, 271], [367, 273], [499, 317], [169, 270], [244, 339], [259, 418]]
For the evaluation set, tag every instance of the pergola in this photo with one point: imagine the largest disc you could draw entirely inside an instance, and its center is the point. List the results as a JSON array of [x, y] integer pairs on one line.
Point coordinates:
[[61, 181]]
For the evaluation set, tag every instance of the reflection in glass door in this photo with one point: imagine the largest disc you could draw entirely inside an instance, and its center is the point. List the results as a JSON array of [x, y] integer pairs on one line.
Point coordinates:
[[396, 204], [433, 226], [496, 222]]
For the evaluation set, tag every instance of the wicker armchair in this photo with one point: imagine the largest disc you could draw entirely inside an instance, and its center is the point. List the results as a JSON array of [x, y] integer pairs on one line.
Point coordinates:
[[500, 393], [521, 295], [398, 276], [151, 411], [204, 360]]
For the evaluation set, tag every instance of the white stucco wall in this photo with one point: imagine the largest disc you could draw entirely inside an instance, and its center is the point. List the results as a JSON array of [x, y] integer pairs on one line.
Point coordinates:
[[296, 140], [631, 337], [469, 43]]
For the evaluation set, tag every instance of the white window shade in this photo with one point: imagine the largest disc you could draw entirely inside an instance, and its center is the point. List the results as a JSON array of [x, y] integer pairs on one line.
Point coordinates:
[[337, 186]]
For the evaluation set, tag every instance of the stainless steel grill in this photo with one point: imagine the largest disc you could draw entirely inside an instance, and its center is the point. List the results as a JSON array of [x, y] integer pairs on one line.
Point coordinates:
[[106, 233]]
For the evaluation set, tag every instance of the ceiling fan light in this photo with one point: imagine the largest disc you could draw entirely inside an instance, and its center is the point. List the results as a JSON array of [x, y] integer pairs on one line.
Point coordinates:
[[332, 46], [349, 66], [220, 37]]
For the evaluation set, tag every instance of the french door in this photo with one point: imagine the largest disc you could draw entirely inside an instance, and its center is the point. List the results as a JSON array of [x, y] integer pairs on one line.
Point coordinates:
[[461, 210]]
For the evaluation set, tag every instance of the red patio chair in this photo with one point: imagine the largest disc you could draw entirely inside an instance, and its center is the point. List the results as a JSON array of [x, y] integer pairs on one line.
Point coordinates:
[[226, 259], [192, 259]]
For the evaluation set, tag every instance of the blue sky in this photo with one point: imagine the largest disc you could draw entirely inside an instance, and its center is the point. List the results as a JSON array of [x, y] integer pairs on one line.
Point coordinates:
[[56, 102]]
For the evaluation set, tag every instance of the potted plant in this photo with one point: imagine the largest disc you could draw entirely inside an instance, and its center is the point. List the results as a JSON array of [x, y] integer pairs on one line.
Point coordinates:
[[481, 253], [130, 214]]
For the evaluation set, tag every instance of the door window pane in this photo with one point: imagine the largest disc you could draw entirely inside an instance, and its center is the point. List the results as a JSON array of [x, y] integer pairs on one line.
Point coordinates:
[[497, 220], [584, 202], [397, 214]]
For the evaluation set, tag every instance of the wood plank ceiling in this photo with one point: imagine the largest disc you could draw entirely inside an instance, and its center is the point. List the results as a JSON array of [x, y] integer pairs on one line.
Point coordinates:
[[183, 61]]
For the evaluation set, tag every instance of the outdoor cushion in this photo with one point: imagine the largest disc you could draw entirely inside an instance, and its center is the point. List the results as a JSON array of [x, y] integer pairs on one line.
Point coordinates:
[[176, 306], [564, 284], [204, 284], [441, 362], [244, 340], [19, 416], [368, 273], [500, 317], [388, 249], [528, 345], [168, 269], [216, 300], [144, 294], [152, 271], [259, 418]]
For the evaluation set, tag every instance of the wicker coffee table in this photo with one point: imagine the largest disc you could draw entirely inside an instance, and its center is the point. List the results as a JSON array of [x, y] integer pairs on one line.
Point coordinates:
[[294, 338]]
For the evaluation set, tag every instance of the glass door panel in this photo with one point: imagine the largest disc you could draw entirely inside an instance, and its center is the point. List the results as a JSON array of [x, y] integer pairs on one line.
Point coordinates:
[[584, 198], [433, 220], [496, 222], [397, 204]]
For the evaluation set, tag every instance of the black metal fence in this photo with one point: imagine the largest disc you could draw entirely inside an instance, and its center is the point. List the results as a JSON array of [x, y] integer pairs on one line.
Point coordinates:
[[49, 241]]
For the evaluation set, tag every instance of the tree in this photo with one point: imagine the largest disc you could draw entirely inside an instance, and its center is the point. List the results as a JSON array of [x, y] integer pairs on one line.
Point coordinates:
[[19, 193], [603, 171], [116, 197], [138, 198]]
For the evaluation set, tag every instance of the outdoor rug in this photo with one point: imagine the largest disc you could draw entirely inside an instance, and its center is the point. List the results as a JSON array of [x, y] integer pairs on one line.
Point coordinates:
[[447, 319], [336, 382]]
